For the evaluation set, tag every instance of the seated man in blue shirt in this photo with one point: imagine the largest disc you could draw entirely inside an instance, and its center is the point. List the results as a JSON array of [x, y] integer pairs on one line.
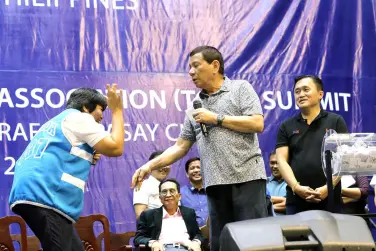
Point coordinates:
[[276, 186], [194, 196]]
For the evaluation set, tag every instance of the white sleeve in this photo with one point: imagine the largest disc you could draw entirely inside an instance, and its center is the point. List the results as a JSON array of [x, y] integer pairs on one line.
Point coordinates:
[[141, 196], [82, 128], [373, 181]]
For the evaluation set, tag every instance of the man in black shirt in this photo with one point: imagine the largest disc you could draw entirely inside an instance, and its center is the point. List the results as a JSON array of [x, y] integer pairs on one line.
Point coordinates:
[[298, 147]]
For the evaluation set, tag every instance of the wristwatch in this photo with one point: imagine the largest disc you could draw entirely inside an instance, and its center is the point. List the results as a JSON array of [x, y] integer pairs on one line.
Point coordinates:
[[220, 118]]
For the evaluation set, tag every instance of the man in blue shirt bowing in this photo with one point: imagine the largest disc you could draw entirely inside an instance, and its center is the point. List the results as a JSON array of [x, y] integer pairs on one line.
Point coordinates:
[[49, 179]]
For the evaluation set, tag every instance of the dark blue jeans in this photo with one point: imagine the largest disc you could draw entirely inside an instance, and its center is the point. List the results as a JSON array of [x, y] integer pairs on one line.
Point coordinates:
[[290, 209]]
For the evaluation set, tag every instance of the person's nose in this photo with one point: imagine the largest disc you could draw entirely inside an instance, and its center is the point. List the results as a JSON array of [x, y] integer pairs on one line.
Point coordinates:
[[192, 71]]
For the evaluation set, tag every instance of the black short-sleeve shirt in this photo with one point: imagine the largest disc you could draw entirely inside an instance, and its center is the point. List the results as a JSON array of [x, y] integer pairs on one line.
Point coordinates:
[[304, 142]]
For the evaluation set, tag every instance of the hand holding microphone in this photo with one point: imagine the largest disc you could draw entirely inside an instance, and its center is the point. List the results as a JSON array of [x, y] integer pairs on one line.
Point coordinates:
[[203, 116]]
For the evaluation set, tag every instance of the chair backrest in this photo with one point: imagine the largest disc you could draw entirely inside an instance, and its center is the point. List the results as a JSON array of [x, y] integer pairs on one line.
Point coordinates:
[[118, 241], [85, 230], [6, 242], [205, 231], [33, 243], [142, 247], [206, 234]]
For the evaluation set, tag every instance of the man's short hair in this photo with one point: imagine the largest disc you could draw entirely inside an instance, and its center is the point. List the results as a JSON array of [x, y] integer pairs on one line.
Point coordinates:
[[272, 153], [189, 162], [155, 154], [87, 97], [318, 82], [170, 180], [210, 53]]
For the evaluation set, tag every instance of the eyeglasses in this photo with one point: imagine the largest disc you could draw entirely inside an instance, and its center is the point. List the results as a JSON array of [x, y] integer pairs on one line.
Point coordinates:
[[164, 193]]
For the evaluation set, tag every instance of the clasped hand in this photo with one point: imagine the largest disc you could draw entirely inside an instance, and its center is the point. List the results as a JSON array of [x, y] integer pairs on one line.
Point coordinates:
[[310, 195]]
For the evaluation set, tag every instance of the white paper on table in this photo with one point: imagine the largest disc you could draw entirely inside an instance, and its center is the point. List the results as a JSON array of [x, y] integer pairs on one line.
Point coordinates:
[[373, 181], [347, 181]]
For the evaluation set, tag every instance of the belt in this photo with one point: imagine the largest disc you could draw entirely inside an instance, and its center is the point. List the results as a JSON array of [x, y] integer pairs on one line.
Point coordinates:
[[175, 245]]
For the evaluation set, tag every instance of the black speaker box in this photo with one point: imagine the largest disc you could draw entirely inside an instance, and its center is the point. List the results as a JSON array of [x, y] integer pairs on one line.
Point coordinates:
[[311, 230]]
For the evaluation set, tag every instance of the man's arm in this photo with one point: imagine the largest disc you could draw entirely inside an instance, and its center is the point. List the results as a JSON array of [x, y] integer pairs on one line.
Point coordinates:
[[177, 151], [168, 157], [250, 119], [323, 190], [82, 127], [279, 203], [171, 154], [353, 192], [284, 168], [304, 192], [246, 124], [113, 144], [361, 191], [277, 199], [348, 200], [279, 208], [139, 208], [141, 200], [198, 234]]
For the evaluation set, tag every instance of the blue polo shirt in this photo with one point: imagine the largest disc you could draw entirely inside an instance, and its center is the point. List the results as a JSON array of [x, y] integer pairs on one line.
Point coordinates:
[[275, 187], [195, 199]]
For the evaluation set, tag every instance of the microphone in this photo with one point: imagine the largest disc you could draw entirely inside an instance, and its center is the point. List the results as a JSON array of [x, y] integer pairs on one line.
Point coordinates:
[[197, 104]]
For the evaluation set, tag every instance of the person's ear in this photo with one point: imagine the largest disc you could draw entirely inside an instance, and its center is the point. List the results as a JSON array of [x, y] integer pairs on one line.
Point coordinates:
[[216, 66], [321, 94]]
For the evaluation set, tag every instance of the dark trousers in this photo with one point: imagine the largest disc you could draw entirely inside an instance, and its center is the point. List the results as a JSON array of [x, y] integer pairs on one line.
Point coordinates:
[[234, 202], [55, 232], [291, 209], [269, 206]]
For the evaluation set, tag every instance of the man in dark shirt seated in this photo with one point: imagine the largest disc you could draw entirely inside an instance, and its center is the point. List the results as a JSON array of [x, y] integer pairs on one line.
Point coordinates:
[[169, 227], [194, 196]]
